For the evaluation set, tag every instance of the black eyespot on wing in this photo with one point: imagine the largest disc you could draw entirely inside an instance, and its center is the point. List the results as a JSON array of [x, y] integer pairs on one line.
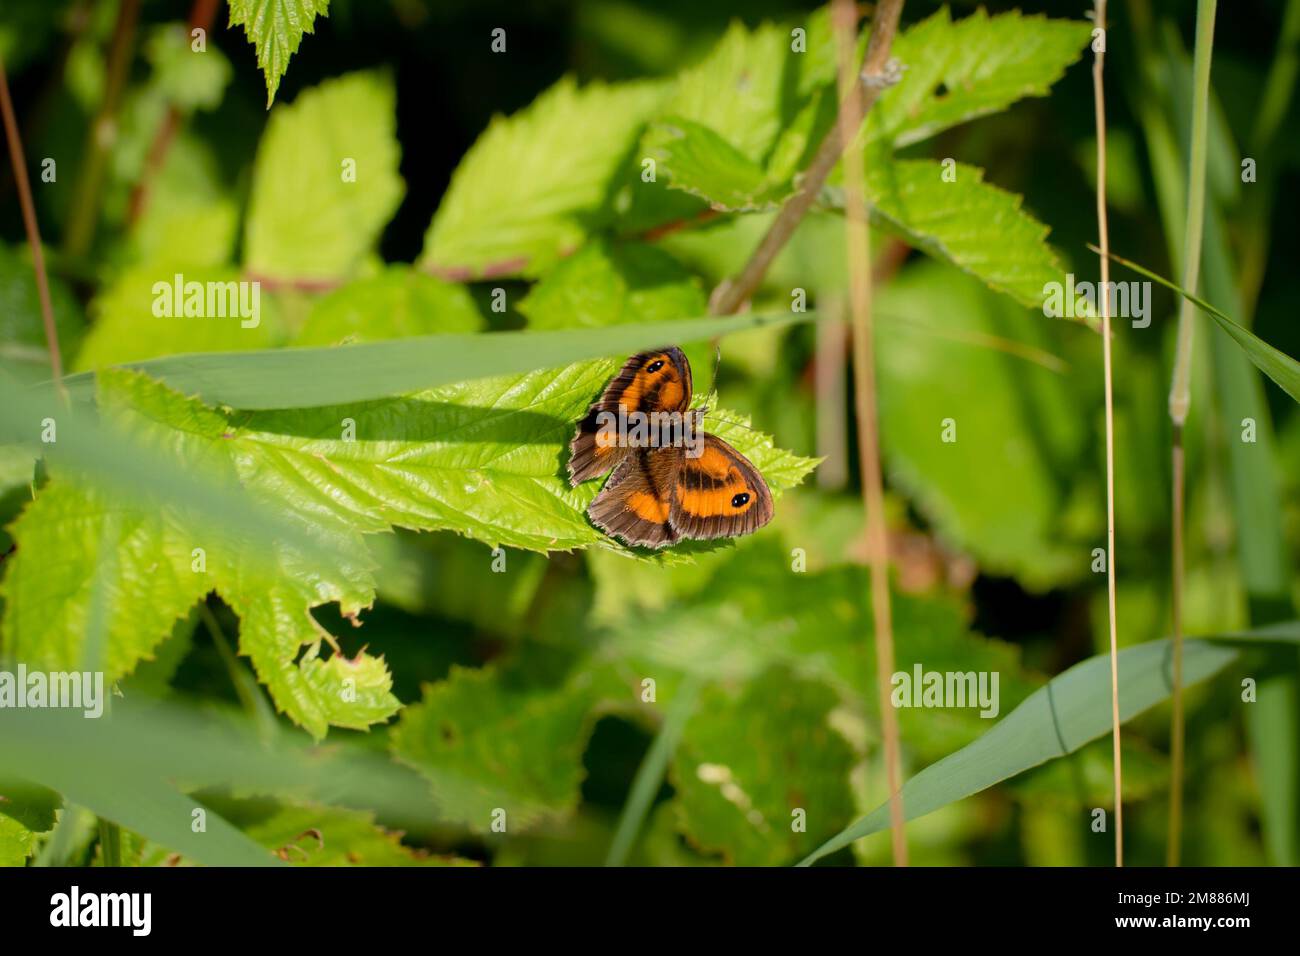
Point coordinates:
[[655, 366], [740, 500]]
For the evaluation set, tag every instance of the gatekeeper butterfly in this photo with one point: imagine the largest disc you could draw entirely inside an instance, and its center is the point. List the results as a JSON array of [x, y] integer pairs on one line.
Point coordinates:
[[670, 480]]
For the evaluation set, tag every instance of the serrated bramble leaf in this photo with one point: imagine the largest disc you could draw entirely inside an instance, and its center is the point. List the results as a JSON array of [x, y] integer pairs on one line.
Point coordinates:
[[275, 28], [325, 182], [957, 71], [954, 220], [488, 743], [155, 563], [334, 836], [748, 763], [608, 283], [702, 163], [536, 184], [741, 123], [482, 458]]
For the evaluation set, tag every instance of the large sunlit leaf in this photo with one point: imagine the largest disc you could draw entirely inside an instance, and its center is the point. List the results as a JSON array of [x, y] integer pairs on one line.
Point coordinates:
[[482, 458], [325, 182], [535, 184]]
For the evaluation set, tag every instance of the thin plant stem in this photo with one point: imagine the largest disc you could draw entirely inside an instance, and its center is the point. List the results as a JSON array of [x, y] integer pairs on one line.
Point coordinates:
[[103, 132], [1103, 229], [732, 293], [858, 238], [32, 228], [1180, 396], [245, 687]]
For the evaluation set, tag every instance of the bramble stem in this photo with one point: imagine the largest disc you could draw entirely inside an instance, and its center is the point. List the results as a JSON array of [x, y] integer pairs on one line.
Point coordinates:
[[732, 293], [32, 228]]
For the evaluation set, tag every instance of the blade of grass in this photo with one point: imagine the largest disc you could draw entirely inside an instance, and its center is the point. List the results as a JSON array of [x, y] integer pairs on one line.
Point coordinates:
[[1071, 710], [650, 775], [1273, 724], [1276, 364], [1180, 395], [309, 377]]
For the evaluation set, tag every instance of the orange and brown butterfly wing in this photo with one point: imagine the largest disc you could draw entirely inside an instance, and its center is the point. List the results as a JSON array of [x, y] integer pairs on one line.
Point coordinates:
[[720, 494], [658, 380], [636, 503]]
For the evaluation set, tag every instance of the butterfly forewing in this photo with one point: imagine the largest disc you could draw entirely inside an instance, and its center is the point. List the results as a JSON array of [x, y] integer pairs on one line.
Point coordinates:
[[657, 380]]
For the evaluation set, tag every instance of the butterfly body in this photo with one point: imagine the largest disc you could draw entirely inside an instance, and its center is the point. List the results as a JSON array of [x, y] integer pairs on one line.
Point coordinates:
[[663, 490]]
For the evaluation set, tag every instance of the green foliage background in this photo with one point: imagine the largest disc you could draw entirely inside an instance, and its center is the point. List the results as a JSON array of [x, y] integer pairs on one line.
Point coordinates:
[[392, 562]]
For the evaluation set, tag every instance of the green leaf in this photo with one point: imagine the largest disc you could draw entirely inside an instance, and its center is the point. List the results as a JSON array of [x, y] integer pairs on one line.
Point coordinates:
[[704, 164], [275, 28], [535, 185], [952, 221], [741, 123], [957, 71], [1072, 710], [129, 328], [17, 842], [608, 283], [332, 836], [325, 182], [147, 561], [1003, 490], [489, 741], [748, 762], [301, 378], [482, 458], [753, 85], [398, 303], [32, 806], [753, 613]]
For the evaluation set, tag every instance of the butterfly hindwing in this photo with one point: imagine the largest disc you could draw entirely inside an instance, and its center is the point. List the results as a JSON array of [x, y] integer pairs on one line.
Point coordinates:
[[636, 503], [657, 380], [719, 494]]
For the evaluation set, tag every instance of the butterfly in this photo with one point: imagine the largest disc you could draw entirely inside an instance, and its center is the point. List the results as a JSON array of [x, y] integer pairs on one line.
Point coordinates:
[[668, 484]]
